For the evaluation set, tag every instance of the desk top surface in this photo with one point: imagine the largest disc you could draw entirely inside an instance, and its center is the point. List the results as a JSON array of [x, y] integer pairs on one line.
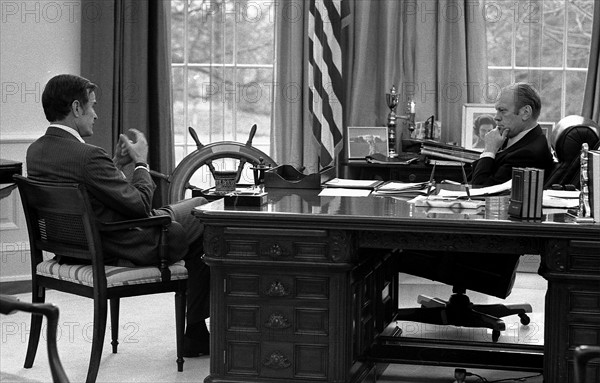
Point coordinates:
[[306, 209]]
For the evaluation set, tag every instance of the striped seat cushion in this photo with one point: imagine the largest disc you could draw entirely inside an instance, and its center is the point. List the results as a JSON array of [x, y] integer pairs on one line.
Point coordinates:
[[115, 275]]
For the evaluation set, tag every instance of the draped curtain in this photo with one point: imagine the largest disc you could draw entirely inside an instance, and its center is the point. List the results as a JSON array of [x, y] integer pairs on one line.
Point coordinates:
[[291, 143], [125, 50], [434, 51], [591, 98]]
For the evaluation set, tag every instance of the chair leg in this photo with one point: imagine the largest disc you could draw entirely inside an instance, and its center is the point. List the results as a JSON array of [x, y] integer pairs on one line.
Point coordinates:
[[180, 325], [100, 308], [114, 323], [38, 295]]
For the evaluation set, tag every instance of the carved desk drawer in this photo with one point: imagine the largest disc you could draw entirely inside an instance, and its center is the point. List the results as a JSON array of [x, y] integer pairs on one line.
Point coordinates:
[[300, 245], [297, 286], [277, 325]]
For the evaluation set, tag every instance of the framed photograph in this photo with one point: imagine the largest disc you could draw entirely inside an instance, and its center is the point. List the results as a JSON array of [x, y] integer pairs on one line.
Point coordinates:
[[364, 141], [478, 119], [547, 129]]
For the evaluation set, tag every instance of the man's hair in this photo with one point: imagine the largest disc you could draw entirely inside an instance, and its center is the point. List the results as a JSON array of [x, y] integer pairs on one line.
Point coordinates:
[[524, 95], [60, 92], [482, 120]]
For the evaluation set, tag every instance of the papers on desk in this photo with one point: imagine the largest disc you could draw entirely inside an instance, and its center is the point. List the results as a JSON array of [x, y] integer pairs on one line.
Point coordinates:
[[562, 199], [394, 188], [352, 184], [344, 192], [446, 203], [479, 192]]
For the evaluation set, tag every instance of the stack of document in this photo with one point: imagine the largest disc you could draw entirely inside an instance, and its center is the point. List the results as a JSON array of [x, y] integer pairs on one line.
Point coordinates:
[[500, 189], [342, 187], [402, 188]]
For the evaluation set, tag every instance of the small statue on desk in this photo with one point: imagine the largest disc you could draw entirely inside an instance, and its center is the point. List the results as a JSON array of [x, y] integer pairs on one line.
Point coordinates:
[[392, 99], [584, 215]]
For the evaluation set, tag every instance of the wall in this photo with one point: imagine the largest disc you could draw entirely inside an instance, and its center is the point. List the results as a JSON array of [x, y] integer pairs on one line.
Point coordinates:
[[38, 40]]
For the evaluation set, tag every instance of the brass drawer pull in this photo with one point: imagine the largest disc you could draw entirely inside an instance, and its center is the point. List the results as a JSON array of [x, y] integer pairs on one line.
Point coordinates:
[[277, 289], [277, 361], [275, 250], [277, 321]]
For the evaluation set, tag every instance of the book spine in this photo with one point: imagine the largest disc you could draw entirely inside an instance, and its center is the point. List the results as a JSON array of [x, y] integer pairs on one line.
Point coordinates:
[[516, 193], [533, 182], [540, 194], [526, 197]]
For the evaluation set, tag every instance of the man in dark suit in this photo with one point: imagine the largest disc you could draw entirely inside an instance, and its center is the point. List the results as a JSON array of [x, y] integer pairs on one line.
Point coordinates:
[[517, 140], [62, 155]]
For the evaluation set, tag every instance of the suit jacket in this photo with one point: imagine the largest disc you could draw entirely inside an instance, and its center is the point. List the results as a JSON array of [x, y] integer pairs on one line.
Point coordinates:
[[530, 151], [59, 156]]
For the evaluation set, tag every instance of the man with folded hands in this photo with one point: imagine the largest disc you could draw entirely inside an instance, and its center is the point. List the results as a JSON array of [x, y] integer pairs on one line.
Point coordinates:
[[62, 155]]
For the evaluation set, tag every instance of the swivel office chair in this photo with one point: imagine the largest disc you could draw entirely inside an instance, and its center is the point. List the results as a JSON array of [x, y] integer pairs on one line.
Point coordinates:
[[567, 137], [491, 274]]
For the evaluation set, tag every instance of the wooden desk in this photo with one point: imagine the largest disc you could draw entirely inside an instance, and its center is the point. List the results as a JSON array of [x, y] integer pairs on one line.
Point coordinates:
[[294, 298]]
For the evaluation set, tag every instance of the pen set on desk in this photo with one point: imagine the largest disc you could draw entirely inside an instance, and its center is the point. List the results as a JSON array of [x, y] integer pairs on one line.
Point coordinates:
[[454, 203], [431, 189]]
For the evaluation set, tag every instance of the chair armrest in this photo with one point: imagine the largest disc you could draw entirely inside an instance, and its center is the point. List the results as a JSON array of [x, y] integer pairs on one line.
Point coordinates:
[[9, 305], [159, 220], [163, 249]]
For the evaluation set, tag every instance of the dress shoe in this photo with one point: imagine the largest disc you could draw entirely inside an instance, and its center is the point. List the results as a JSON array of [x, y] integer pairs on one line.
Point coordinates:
[[193, 348]]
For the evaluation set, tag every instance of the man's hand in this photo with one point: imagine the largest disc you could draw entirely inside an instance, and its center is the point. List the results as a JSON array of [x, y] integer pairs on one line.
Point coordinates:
[[121, 157], [494, 140], [138, 149]]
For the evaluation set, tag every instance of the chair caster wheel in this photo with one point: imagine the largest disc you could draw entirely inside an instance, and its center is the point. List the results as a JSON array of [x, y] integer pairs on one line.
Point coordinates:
[[525, 320], [495, 335]]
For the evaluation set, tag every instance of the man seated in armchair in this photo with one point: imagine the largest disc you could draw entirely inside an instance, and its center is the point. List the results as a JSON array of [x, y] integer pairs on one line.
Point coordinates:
[[62, 155]]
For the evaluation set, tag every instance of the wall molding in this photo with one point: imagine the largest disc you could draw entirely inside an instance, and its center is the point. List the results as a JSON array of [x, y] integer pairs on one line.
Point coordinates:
[[18, 138]]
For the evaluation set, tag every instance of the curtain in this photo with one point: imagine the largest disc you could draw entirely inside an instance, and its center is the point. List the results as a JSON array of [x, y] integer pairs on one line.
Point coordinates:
[[126, 51], [434, 51], [591, 98], [290, 142]]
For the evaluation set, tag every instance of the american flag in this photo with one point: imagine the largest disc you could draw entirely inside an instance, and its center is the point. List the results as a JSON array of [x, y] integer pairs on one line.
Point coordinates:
[[325, 77]]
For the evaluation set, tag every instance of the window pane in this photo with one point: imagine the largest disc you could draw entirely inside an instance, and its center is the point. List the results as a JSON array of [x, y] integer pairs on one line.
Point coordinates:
[[199, 94], [255, 105], [178, 106], [580, 32], [255, 34], [529, 21], [554, 30], [550, 88], [575, 89], [202, 17], [498, 16], [177, 31]]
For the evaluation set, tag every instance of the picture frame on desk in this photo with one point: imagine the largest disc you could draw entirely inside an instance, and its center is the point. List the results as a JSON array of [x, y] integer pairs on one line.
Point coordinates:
[[362, 141], [481, 114]]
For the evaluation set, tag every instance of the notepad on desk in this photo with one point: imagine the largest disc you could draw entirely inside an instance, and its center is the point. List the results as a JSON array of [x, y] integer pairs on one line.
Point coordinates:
[[402, 188], [352, 184], [344, 192], [478, 192]]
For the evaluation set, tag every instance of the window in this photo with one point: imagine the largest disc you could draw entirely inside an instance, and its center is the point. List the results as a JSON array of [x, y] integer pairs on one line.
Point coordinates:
[[544, 42], [222, 69]]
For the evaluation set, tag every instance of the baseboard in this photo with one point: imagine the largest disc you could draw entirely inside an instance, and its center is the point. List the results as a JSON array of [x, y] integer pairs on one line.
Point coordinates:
[[15, 287]]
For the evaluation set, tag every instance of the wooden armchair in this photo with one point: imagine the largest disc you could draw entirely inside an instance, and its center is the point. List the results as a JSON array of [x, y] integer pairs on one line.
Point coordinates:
[[9, 305], [60, 220]]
